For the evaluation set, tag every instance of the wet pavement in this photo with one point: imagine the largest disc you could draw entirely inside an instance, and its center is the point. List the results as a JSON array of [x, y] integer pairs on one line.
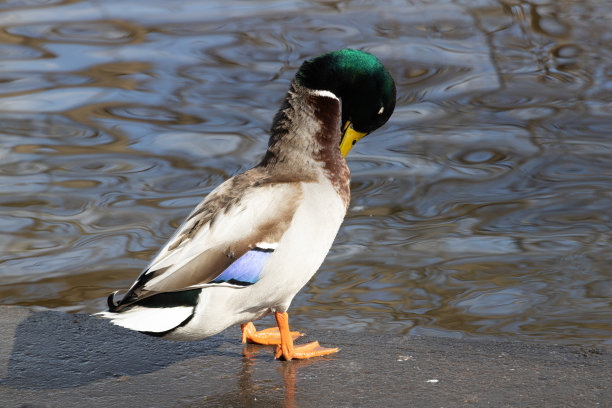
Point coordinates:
[[50, 359]]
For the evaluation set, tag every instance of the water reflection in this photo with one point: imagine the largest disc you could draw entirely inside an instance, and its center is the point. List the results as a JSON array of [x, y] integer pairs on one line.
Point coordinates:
[[482, 208], [247, 388]]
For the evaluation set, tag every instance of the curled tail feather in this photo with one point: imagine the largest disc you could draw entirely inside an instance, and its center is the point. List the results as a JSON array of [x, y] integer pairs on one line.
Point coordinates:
[[112, 306]]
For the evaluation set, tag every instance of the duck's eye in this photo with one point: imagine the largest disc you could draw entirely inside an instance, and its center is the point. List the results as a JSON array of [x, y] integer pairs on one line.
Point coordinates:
[[381, 110]]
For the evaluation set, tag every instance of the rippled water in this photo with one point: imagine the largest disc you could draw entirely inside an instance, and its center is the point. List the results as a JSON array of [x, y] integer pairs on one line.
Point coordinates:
[[483, 208]]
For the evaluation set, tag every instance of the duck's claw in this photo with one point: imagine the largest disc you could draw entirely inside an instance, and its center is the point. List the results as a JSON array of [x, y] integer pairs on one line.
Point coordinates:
[[288, 351], [304, 351]]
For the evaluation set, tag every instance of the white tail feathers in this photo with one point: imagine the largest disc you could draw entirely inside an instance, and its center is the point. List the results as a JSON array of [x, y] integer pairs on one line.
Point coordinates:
[[151, 320]]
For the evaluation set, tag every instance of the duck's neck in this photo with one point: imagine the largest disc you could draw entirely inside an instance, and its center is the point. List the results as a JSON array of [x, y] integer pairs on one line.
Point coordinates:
[[305, 139]]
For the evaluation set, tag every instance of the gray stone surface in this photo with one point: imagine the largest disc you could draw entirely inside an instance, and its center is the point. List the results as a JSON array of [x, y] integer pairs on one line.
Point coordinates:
[[52, 359]]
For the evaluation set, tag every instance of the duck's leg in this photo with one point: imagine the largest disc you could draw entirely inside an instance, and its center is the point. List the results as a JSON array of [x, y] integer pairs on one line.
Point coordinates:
[[288, 351], [266, 337]]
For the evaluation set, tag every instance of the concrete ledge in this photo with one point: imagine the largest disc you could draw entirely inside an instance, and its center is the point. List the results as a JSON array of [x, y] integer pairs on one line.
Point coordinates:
[[53, 359]]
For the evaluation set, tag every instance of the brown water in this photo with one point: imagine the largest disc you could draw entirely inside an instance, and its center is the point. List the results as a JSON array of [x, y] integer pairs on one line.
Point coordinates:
[[483, 208]]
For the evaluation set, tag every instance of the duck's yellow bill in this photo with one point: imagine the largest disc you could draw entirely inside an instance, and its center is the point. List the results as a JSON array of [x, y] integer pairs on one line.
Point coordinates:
[[349, 138]]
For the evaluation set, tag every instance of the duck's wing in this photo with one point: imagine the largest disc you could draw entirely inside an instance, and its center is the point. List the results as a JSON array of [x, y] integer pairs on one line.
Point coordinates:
[[226, 239]]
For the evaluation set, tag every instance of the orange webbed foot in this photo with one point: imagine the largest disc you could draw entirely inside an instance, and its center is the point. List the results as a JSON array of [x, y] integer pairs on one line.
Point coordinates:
[[288, 351], [304, 351], [266, 337]]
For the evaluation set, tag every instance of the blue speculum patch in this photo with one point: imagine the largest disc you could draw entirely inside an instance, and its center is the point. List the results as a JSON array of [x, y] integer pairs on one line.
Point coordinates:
[[246, 269]]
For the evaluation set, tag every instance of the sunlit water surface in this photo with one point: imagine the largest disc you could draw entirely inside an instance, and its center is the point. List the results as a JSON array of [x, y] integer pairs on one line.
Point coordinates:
[[483, 208]]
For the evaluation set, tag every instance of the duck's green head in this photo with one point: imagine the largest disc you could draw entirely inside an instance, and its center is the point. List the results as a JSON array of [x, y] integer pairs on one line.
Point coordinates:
[[362, 83]]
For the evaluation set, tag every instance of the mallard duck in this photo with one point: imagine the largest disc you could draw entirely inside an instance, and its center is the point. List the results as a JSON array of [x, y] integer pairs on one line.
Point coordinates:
[[257, 239]]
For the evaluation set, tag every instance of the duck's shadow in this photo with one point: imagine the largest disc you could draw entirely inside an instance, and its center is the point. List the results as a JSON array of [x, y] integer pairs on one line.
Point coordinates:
[[58, 350]]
